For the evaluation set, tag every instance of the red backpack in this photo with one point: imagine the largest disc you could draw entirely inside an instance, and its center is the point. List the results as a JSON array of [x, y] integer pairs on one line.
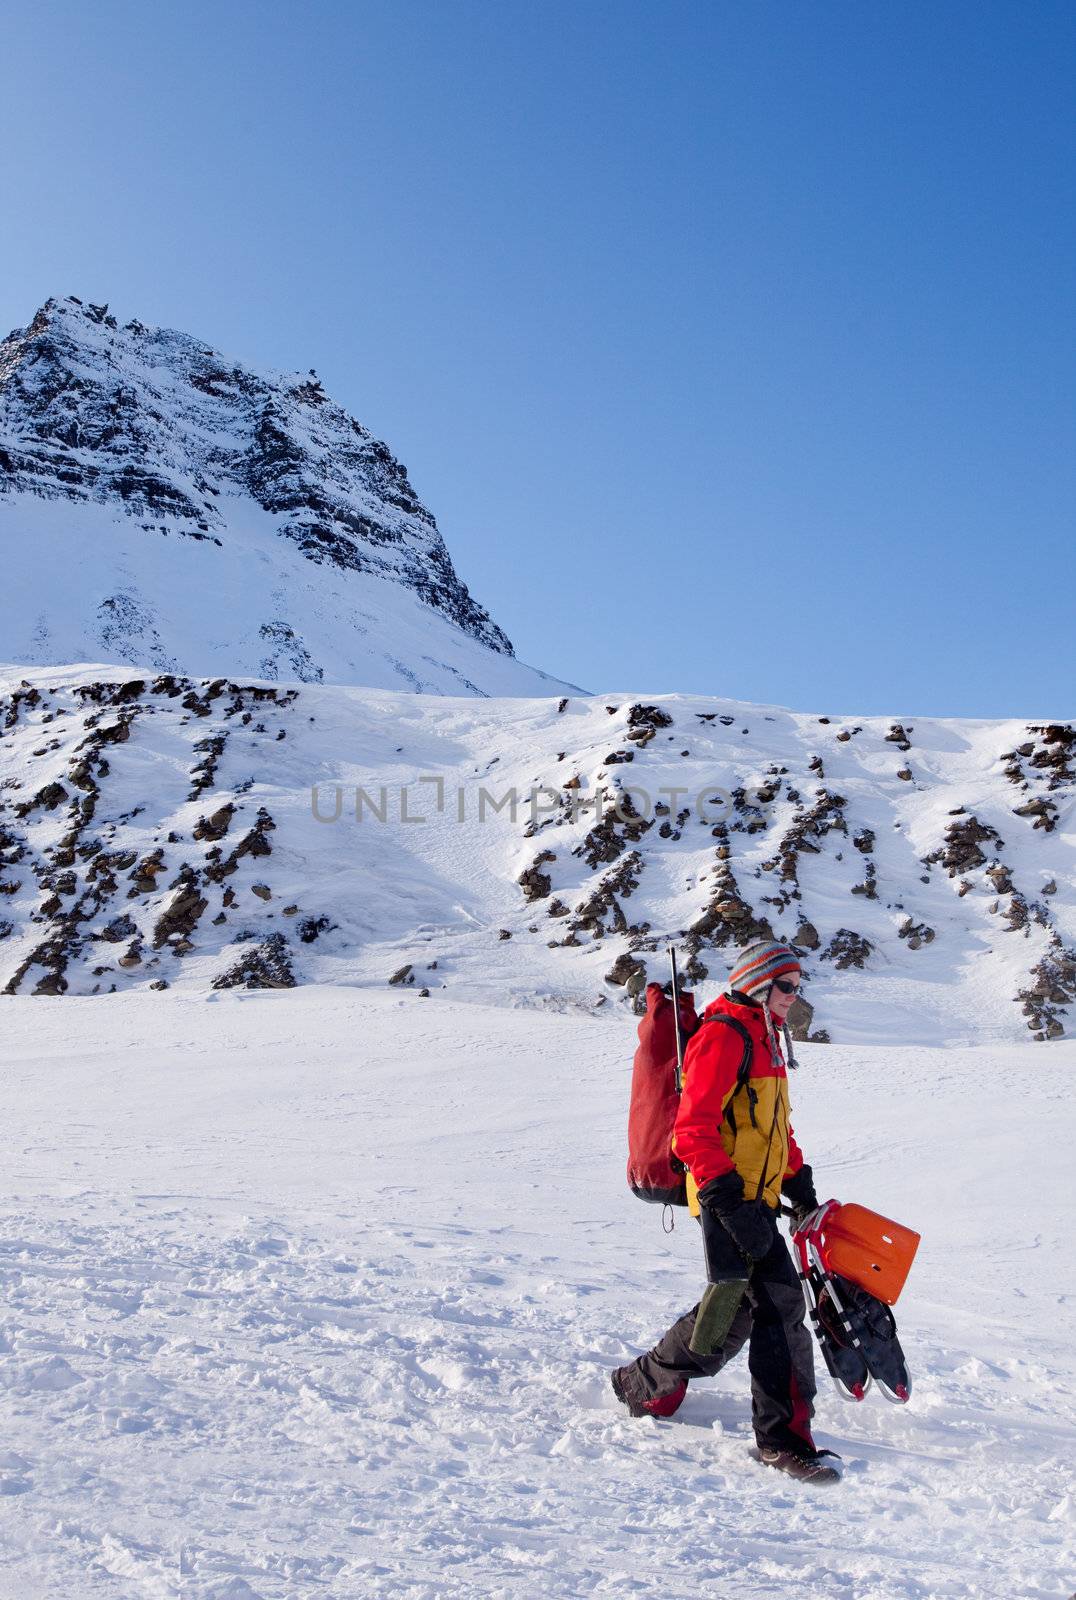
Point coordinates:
[[654, 1173]]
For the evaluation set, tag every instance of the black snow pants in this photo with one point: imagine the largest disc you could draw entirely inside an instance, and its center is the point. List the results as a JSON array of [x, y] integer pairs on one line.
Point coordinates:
[[780, 1355]]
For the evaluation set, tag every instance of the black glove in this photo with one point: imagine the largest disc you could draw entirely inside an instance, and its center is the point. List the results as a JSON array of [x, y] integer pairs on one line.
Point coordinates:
[[799, 1192], [748, 1223]]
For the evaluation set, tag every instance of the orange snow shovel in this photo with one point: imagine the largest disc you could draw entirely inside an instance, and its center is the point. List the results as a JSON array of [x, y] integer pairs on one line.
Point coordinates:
[[871, 1250]]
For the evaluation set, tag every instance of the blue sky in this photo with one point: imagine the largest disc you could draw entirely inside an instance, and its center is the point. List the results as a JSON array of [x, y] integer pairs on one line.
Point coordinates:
[[731, 344]]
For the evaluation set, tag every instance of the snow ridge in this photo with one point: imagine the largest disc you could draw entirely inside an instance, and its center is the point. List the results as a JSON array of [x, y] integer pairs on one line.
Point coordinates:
[[170, 832]]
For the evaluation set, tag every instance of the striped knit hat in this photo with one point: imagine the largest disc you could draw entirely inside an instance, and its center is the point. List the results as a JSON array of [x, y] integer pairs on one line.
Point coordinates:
[[759, 964]]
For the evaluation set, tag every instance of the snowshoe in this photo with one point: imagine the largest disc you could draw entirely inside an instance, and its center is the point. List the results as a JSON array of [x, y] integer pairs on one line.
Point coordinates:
[[874, 1330], [846, 1363], [856, 1331]]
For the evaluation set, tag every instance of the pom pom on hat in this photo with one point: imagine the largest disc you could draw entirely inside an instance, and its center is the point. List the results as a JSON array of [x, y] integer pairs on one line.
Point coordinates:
[[759, 964]]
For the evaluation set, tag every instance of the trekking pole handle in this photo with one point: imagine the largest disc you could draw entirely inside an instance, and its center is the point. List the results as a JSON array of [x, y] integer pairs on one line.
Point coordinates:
[[676, 1021]]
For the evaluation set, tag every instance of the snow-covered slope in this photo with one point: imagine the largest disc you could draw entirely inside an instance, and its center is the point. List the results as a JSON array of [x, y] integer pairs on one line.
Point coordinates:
[[164, 506], [316, 1294], [166, 832]]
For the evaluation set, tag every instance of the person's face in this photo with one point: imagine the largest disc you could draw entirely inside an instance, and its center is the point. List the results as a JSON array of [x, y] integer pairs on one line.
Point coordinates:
[[783, 992]]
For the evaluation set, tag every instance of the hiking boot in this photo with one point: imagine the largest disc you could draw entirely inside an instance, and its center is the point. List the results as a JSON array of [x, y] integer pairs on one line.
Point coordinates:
[[811, 1468], [662, 1405]]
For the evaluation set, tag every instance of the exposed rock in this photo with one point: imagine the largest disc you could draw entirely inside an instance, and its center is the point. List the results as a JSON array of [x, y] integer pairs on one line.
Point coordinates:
[[619, 827], [1001, 877], [640, 716], [800, 1017], [117, 733], [644, 722], [535, 883], [52, 983], [180, 916], [1043, 810], [404, 974], [1051, 990], [807, 831], [204, 774], [253, 843], [1057, 755], [601, 911], [848, 949], [46, 799], [727, 919], [215, 826], [961, 852], [868, 887], [267, 966], [623, 969], [1019, 914], [695, 971], [145, 874]]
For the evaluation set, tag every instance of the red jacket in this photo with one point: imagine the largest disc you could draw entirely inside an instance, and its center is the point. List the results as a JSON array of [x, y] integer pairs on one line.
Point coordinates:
[[708, 1141]]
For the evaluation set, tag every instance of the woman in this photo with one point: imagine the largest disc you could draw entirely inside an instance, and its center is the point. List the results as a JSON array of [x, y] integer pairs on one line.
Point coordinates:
[[734, 1136]]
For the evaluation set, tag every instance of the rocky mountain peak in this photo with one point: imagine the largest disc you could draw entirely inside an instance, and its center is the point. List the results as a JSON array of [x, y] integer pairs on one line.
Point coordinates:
[[157, 471]]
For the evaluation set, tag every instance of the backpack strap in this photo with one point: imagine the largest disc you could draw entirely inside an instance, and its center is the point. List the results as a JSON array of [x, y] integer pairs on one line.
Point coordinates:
[[743, 1071]]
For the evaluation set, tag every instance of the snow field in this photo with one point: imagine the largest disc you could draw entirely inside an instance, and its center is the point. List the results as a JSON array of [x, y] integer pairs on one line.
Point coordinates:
[[315, 1293]]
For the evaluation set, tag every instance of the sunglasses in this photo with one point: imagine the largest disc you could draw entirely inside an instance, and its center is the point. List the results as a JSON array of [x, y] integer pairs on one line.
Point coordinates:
[[786, 987]]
